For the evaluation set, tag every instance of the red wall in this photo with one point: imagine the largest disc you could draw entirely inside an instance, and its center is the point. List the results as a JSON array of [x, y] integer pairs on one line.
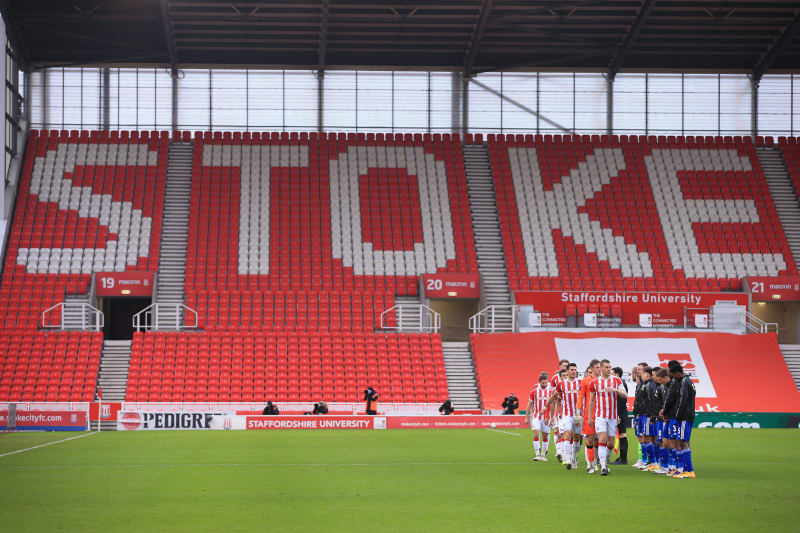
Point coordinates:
[[743, 372]]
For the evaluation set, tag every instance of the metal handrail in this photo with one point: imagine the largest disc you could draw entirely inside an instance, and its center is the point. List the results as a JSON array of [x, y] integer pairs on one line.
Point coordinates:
[[91, 317], [486, 320], [148, 318], [760, 326], [429, 321]]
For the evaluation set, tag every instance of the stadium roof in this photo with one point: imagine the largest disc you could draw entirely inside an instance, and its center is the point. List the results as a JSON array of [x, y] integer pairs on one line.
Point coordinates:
[[470, 35]]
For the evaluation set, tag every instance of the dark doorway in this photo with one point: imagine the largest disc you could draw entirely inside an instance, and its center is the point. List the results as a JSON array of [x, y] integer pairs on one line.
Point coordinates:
[[119, 316], [455, 317]]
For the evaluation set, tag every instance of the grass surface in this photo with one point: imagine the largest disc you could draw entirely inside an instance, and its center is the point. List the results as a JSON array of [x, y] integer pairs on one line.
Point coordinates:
[[401, 480]]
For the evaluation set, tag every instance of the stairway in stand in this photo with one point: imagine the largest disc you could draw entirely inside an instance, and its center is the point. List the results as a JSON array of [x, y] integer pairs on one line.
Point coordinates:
[[461, 381], [791, 354], [783, 194], [486, 226], [174, 233]]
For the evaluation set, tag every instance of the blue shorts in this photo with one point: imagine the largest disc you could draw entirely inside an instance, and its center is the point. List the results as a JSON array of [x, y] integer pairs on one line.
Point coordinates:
[[672, 429], [683, 430], [660, 430], [641, 425], [652, 430]]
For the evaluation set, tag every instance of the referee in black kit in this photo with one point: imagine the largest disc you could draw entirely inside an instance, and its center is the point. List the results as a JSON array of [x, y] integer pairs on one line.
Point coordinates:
[[624, 423]]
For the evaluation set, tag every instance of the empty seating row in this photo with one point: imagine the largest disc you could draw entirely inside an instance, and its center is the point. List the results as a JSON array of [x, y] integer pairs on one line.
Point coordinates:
[[238, 311]]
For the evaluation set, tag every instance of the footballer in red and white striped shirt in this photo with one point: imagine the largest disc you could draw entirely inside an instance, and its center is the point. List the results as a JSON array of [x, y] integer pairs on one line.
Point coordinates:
[[569, 423], [539, 415], [604, 394]]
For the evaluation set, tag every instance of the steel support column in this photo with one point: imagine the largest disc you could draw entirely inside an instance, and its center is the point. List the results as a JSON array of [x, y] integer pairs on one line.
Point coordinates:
[[610, 106]]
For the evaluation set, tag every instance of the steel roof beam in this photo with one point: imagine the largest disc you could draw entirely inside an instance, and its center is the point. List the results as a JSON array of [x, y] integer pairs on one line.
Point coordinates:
[[169, 36], [477, 36], [627, 44], [323, 36], [774, 51]]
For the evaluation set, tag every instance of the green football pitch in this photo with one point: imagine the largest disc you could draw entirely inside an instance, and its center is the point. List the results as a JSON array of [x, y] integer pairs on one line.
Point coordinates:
[[400, 480]]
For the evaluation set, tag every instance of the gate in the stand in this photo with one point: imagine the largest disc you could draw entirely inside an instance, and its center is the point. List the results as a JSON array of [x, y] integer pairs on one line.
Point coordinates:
[[120, 296], [777, 300], [455, 297]]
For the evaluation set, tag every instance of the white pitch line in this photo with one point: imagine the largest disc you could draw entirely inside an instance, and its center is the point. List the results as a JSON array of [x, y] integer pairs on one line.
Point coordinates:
[[265, 465], [501, 431], [47, 444]]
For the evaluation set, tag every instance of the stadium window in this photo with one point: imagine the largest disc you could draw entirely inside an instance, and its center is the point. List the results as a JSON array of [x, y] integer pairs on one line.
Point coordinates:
[[664, 104], [123, 98], [194, 99], [145, 98], [162, 93], [441, 101], [591, 93], [485, 108], [556, 101], [411, 102], [374, 101], [630, 104], [37, 104], [521, 88], [54, 79], [701, 104], [300, 100], [264, 100], [735, 108], [775, 104], [339, 101], [229, 99], [91, 87]]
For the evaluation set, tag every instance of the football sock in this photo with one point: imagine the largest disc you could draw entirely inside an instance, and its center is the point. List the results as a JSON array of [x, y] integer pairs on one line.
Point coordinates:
[[679, 460], [664, 461], [589, 454], [546, 445], [603, 452], [536, 445], [623, 449], [640, 455], [651, 452], [687, 460], [646, 452], [673, 453]]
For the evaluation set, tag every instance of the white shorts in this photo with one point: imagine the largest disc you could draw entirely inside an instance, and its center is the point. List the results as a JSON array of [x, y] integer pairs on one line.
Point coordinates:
[[538, 424], [567, 423], [606, 425]]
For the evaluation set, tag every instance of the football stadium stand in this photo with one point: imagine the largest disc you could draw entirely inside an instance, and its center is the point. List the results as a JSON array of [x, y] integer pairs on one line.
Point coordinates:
[[298, 242], [87, 202], [635, 213]]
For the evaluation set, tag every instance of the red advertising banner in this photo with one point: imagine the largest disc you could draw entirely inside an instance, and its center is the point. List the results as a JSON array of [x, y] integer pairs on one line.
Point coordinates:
[[451, 285], [666, 308], [125, 283], [731, 373], [785, 288], [105, 411], [48, 420], [455, 422], [310, 422]]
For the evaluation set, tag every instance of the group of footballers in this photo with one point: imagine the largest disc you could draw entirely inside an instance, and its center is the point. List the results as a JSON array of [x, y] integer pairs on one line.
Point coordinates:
[[591, 411]]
